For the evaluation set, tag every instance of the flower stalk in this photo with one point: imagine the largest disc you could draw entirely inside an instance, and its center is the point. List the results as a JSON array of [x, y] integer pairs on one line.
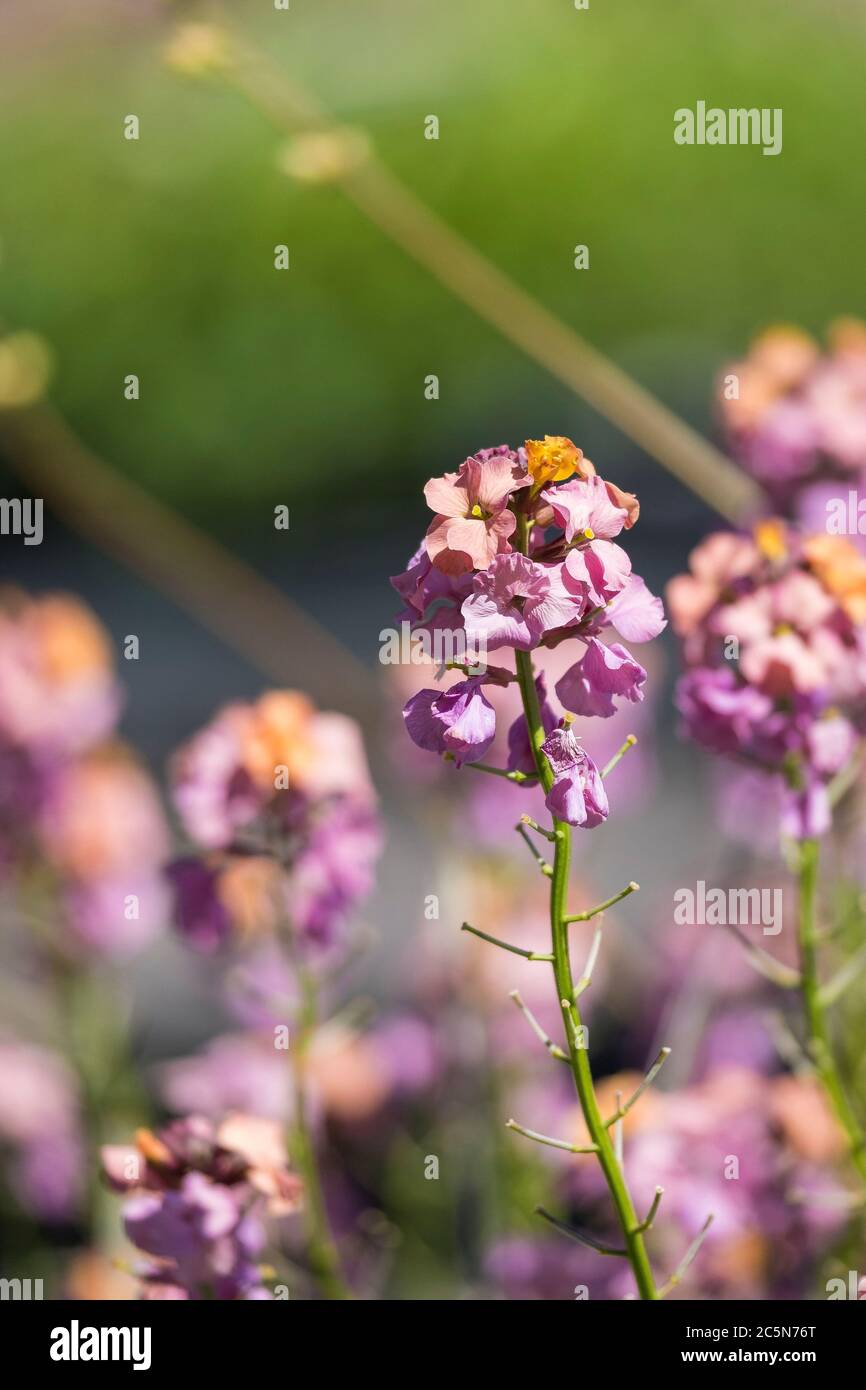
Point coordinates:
[[635, 1248], [322, 1252], [814, 1002]]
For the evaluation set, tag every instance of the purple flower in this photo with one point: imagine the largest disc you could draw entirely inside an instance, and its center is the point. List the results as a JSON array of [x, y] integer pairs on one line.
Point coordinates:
[[39, 1121], [333, 869], [460, 721], [296, 781], [234, 1072], [721, 712], [806, 811], [100, 915], [598, 569], [177, 1225], [515, 602], [58, 693], [214, 792], [831, 743], [637, 615], [589, 686], [577, 795], [433, 599], [584, 509], [197, 1194], [473, 522], [199, 913]]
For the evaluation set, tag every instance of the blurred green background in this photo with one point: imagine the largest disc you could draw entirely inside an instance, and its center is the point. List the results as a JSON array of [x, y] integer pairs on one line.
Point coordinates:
[[156, 256]]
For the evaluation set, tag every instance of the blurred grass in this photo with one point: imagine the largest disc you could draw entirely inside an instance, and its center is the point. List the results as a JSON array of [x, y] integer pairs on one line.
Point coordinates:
[[156, 257]]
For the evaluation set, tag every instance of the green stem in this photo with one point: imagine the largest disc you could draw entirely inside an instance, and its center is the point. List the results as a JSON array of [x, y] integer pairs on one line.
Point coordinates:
[[321, 1248], [578, 1056], [820, 1047]]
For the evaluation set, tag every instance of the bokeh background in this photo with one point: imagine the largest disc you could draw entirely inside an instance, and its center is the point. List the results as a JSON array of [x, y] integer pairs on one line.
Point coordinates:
[[306, 388]]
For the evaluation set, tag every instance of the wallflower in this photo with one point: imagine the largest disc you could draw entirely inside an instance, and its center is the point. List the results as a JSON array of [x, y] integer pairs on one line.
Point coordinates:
[[58, 692], [196, 1197], [635, 613], [584, 508], [794, 415], [278, 797], [603, 671], [565, 580], [460, 721], [433, 598], [515, 602], [40, 1124], [577, 795], [776, 660], [472, 522], [234, 1072], [103, 830]]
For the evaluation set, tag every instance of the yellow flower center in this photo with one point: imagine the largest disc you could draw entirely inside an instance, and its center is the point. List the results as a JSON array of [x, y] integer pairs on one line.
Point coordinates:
[[552, 459]]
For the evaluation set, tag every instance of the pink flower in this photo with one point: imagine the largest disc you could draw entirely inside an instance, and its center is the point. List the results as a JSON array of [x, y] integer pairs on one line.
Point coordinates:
[[58, 692], [40, 1126], [473, 522], [716, 563], [782, 664], [598, 569], [603, 671], [831, 742], [776, 662], [583, 508], [103, 829], [197, 1193], [234, 1072], [433, 598], [577, 795], [460, 721], [515, 602], [289, 776], [637, 615], [806, 812]]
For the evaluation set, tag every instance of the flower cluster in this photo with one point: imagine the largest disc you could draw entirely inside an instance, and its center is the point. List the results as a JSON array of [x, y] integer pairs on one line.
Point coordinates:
[[278, 800], [40, 1127], [773, 636], [794, 415], [197, 1195], [521, 555], [72, 798]]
